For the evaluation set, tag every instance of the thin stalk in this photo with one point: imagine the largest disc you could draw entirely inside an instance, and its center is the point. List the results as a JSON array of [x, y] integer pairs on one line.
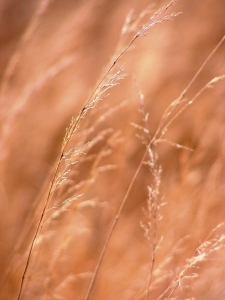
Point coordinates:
[[40, 223], [73, 128], [113, 227], [138, 34], [153, 248], [174, 104], [153, 191], [37, 232], [155, 169]]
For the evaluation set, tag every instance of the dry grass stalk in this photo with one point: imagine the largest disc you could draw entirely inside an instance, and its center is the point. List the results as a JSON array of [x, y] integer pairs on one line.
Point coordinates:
[[96, 96], [153, 202], [166, 119], [142, 32], [153, 205], [71, 156], [203, 253]]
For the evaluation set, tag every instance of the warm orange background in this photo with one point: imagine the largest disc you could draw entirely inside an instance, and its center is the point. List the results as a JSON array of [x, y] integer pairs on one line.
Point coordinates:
[[52, 54]]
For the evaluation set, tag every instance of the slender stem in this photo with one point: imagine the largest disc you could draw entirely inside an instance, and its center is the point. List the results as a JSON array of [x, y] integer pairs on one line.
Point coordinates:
[[113, 227], [203, 65], [138, 34], [153, 239], [51, 190], [37, 231], [174, 104], [48, 199]]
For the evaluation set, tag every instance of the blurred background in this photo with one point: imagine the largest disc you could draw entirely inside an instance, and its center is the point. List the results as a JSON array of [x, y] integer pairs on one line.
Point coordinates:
[[52, 55]]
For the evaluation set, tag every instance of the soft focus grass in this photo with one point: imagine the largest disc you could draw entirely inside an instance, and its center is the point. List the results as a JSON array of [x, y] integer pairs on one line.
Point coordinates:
[[52, 56]]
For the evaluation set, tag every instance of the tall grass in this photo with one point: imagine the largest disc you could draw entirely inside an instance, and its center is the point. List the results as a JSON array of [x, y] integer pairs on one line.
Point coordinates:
[[129, 205]]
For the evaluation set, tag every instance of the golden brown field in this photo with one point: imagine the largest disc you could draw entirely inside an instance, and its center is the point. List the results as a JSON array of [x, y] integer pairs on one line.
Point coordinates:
[[129, 204]]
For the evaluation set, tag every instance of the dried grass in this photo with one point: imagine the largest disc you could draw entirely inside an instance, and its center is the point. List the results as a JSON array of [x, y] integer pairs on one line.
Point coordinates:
[[81, 237]]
